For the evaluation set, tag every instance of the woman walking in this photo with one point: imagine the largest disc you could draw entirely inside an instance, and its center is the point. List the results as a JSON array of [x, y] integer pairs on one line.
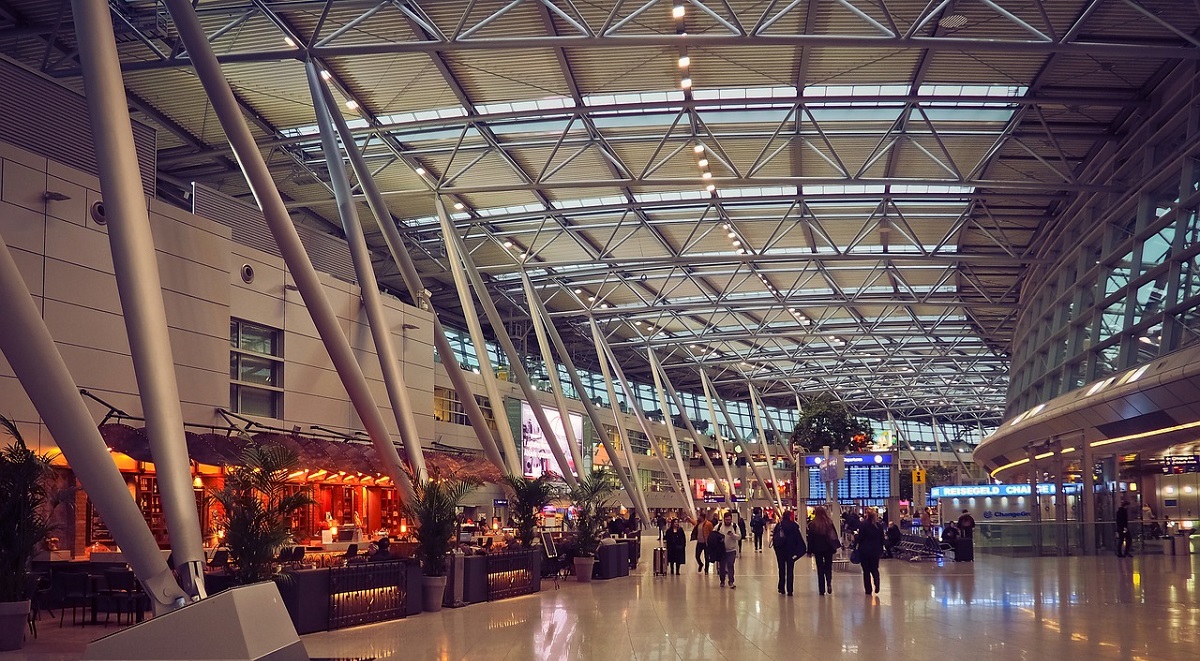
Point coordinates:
[[822, 544], [869, 543], [789, 546], [676, 543]]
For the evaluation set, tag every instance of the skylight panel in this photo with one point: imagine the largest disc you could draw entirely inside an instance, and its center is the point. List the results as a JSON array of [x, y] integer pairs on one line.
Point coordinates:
[[516, 209], [767, 191], [843, 189], [670, 196], [631, 98]]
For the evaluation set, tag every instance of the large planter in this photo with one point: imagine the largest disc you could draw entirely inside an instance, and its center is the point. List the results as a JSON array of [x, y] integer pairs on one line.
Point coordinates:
[[433, 588], [583, 568], [14, 618]]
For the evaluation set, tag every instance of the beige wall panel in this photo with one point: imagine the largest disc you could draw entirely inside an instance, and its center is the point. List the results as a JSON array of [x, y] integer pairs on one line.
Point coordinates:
[[59, 171], [96, 369], [191, 244], [30, 266], [27, 158], [323, 382], [196, 315], [306, 351], [24, 186], [81, 286], [251, 305], [193, 280], [307, 409], [296, 319], [86, 327], [73, 210], [78, 245], [22, 228]]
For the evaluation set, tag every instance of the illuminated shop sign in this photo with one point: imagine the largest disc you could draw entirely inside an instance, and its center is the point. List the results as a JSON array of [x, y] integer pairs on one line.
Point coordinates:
[[997, 490], [852, 459]]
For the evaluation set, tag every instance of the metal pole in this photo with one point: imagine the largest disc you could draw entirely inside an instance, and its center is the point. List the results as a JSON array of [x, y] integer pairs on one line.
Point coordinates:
[[906, 443], [662, 402], [687, 423], [139, 286], [745, 454], [35, 360], [641, 418], [962, 467], [515, 364], [762, 438], [560, 399], [1035, 503], [412, 281], [1087, 471], [588, 406], [620, 423], [294, 254], [389, 361], [712, 413], [784, 441]]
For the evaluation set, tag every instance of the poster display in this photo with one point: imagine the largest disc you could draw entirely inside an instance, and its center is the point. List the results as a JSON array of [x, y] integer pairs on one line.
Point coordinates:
[[536, 457]]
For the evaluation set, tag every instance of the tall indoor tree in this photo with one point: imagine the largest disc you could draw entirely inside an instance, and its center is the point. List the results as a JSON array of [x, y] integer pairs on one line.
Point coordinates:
[[825, 421]]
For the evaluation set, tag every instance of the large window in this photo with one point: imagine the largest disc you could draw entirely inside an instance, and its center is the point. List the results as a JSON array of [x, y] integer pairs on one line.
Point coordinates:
[[255, 369]]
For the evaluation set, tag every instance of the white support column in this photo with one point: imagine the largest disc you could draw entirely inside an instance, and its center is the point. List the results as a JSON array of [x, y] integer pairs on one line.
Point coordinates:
[[389, 360], [139, 286], [626, 478], [687, 422], [560, 399], [295, 255], [486, 371], [641, 418], [662, 402], [515, 364], [39, 367], [712, 414], [783, 439], [412, 281], [745, 451], [620, 423], [1088, 494], [755, 403]]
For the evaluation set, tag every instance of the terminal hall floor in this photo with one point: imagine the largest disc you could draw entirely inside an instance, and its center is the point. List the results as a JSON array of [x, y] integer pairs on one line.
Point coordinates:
[[996, 608]]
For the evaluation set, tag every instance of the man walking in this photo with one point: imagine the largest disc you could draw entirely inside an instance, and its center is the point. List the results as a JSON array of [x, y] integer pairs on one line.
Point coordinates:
[[730, 537], [1124, 538]]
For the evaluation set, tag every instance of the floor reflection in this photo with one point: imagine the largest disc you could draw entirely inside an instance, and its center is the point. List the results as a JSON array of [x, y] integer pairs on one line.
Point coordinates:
[[996, 608]]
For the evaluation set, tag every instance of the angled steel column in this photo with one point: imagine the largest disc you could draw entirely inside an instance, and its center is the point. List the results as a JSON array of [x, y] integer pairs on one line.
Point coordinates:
[[784, 441], [139, 286], [30, 350], [962, 467], [687, 422], [755, 403], [712, 414], [412, 281], [641, 418], [294, 254], [620, 423], [486, 371], [515, 359], [389, 361], [589, 407], [666, 409], [745, 453], [906, 443], [539, 322]]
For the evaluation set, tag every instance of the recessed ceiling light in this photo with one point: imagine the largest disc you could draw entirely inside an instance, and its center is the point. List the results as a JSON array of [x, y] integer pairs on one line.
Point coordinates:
[[684, 61], [710, 188], [289, 42], [352, 104], [686, 83], [419, 170], [706, 175], [458, 205], [678, 11], [326, 75], [733, 235], [699, 149], [703, 163]]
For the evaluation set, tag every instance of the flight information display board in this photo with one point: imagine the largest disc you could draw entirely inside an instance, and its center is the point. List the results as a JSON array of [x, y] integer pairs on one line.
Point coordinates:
[[861, 483]]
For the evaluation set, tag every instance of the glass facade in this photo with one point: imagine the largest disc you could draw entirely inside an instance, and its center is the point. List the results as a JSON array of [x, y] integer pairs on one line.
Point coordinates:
[[1121, 285]]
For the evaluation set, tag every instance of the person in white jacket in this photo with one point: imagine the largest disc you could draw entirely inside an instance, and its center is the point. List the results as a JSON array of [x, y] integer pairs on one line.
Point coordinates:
[[732, 535]]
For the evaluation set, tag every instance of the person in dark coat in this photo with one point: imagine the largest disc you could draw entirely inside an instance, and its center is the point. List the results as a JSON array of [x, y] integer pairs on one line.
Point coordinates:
[[789, 546], [822, 544], [1124, 538], [892, 539], [676, 542], [869, 543]]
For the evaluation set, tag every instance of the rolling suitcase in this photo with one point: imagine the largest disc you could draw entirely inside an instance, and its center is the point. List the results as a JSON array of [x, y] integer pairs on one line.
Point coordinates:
[[660, 561]]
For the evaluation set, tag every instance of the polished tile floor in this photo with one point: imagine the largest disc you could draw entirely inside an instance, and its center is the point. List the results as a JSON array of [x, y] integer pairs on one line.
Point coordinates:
[[1002, 609]]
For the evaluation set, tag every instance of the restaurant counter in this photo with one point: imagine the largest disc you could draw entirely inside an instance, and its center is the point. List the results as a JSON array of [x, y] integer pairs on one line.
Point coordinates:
[[336, 597]]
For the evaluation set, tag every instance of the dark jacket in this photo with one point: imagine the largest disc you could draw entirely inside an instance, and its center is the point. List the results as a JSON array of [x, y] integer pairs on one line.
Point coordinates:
[[822, 543], [870, 540], [787, 541], [676, 543]]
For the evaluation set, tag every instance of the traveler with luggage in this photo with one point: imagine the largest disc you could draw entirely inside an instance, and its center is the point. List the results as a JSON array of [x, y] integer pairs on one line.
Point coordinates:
[[676, 545]]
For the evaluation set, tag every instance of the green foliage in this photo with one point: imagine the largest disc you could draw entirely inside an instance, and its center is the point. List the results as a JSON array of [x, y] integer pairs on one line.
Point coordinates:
[[258, 503], [527, 497], [594, 493], [826, 421], [435, 510], [24, 511]]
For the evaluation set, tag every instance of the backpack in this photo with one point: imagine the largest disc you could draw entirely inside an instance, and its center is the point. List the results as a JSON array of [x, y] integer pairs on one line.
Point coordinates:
[[715, 545], [695, 532]]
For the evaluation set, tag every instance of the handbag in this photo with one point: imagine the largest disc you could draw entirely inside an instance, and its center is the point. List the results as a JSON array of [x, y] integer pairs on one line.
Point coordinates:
[[855, 558]]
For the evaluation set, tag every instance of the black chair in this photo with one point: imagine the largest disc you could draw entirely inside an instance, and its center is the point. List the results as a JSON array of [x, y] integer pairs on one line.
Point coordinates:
[[297, 556], [37, 586], [351, 553], [74, 591], [121, 594], [220, 559]]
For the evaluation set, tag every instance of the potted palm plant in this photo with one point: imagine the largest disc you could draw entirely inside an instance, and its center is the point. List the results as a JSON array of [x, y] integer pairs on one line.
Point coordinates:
[[592, 495], [24, 526], [434, 508], [257, 503], [528, 496]]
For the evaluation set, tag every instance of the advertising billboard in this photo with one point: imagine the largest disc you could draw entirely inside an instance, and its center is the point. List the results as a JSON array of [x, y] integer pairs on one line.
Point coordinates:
[[536, 457]]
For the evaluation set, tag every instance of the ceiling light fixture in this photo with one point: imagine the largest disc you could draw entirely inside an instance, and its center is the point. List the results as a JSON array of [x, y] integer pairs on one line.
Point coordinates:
[[419, 170], [710, 188], [703, 163], [325, 75], [678, 11], [289, 42], [686, 83], [684, 61], [706, 175], [459, 206], [352, 104], [699, 149]]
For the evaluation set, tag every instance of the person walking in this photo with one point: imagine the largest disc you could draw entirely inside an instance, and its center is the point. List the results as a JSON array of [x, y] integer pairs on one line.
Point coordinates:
[[822, 544], [869, 544], [705, 527], [676, 544], [1124, 538], [965, 551], [758, 525], [789, 546], [730, 538]]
